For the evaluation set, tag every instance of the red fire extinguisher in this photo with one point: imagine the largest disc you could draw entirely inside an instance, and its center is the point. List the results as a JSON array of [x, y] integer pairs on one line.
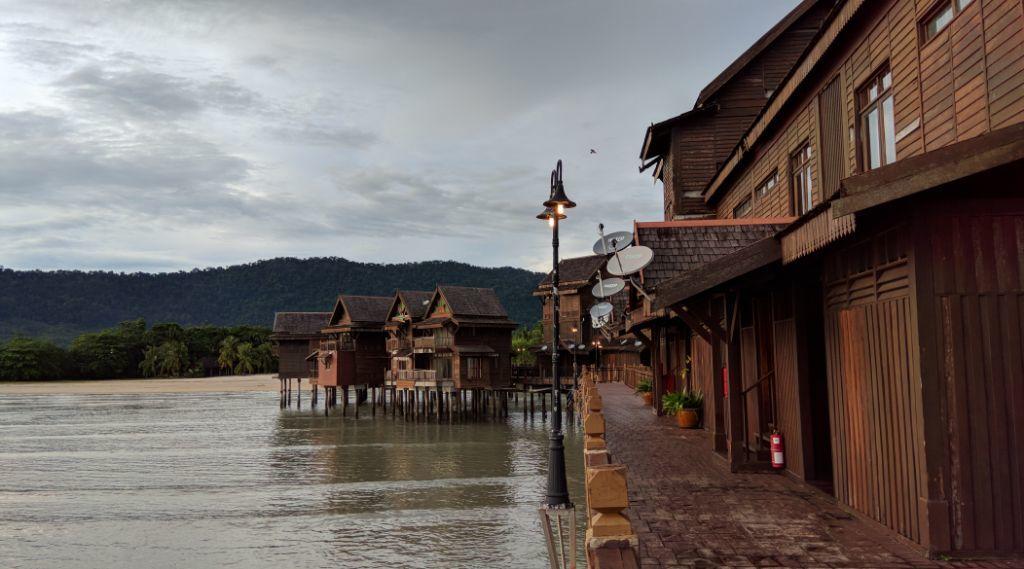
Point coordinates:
[[778, 453]]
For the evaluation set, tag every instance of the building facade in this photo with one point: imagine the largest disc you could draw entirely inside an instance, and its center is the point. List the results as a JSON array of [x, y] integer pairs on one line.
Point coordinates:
[[878, 330]]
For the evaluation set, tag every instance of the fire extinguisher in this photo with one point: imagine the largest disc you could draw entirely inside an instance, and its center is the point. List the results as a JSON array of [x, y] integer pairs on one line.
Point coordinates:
[[778, 453]]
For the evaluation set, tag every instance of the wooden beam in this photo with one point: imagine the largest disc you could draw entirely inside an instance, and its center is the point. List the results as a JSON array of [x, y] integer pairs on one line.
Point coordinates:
[[919, 173], [694, 324]]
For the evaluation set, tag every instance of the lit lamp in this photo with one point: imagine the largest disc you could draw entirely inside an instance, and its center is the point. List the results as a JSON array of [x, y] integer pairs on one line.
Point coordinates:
[[558, 511]]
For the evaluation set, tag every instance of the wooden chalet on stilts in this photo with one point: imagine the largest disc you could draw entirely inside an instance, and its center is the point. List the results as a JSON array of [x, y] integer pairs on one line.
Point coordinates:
[[408, 308], [295, 336], [859, 283], [353, 353]]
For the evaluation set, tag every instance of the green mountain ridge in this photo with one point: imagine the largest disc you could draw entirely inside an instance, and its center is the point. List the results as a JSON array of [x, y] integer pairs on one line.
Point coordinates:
[[62, 304]]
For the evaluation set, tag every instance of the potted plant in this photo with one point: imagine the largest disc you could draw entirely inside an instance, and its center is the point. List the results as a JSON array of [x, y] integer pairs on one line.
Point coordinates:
[[644, 389], [685, 405]]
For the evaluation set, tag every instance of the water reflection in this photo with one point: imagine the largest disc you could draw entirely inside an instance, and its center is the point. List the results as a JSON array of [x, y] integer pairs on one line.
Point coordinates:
[[200, 480]]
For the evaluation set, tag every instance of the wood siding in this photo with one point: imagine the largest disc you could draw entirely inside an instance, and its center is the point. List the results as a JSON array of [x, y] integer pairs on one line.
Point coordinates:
[[966, 81], [787, 394], [874, 382], [977, 303]]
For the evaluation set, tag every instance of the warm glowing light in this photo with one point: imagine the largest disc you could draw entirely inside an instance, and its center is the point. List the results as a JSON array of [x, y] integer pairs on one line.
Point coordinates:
[[560, 209], [551, 221]]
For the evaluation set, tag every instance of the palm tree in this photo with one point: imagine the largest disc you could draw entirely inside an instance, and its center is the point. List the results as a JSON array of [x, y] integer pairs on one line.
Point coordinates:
[[173, 358], [248, 359], [228, 358], [149, 363]]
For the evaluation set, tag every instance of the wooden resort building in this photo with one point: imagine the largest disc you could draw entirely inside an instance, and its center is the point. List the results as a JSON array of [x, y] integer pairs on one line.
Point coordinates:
[[576, 277], [840, 262], [353, 353], [296, 337], [408, 308]]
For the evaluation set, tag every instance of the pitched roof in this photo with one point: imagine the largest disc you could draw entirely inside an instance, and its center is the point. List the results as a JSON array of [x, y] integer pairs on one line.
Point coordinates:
[[753, 51], [472, 302], [681, 246], [366, 308], [300, 323], [416, 301], [575, 269]]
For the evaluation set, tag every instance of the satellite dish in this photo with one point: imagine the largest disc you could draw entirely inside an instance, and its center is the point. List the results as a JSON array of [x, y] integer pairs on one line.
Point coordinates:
[[600, 314], [613, 242], [630, 260], [608, 287]]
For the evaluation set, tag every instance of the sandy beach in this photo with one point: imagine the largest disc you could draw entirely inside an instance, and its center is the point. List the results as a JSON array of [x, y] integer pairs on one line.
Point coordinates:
[[223, 384]]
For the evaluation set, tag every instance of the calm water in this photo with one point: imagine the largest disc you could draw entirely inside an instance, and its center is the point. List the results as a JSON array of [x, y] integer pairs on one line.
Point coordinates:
[[208, 480]]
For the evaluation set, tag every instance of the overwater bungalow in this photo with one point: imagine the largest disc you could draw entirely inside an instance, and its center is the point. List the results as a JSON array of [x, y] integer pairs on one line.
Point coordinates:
[[467, 337], [407, 309], [352, 353], [295, 336], [853, 281]]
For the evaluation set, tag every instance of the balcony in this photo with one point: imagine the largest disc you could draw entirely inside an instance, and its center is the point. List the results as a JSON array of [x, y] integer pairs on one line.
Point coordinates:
[[399, 343], [423, 343], [416, 375]]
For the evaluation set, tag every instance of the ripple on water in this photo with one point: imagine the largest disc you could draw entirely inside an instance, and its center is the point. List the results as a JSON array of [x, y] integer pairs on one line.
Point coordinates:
[[202, 480]]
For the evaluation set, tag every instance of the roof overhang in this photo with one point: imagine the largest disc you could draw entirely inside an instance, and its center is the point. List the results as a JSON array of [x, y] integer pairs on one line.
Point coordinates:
[[932, 169], [720, 271]]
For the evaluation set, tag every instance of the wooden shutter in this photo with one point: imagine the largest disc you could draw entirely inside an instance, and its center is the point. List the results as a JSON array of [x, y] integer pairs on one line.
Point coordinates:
[[831, 116]]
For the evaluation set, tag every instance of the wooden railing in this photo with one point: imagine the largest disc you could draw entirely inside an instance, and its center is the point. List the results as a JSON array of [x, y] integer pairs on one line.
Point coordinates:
[[415, 375], [423, 342], [395, 344], [630, 375]]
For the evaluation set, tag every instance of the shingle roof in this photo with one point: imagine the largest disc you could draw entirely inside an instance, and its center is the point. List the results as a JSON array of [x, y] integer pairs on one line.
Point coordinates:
[[366, 308], [299, 323], [416, 301], [681, 246], [574, 270], [472, 302]]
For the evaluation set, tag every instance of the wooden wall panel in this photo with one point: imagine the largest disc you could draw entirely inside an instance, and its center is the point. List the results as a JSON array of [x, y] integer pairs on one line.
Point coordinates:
[[966, 81], [787, 394], [876, 420], [978, 300], [748, 371], [702, 368]]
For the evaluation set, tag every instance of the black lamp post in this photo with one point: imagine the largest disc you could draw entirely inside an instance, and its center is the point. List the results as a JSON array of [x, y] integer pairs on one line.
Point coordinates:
[[558, 488]]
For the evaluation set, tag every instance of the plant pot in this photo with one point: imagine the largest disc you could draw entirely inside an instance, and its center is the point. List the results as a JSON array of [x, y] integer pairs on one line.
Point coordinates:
[[648, 398], [687, 418]]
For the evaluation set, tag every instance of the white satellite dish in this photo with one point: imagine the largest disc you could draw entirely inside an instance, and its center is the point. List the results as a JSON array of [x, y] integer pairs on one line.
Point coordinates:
[[600, 314], [630, 260], [612, 242], [608, 287]]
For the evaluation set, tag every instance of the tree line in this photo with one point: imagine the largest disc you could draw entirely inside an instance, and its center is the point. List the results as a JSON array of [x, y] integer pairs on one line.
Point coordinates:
[[131, 349], [59, 305]]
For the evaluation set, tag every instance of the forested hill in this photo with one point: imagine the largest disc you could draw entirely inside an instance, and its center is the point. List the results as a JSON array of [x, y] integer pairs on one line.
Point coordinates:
[[61, 304]]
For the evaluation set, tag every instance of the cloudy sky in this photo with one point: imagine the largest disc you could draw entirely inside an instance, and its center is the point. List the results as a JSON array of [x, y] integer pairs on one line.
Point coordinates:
[[154, 136]]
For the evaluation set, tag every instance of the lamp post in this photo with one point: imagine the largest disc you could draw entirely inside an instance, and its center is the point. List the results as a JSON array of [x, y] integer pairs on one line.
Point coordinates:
[[557, 504]]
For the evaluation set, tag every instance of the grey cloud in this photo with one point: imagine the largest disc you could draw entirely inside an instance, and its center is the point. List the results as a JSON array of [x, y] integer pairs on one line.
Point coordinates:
[[140, 93], [325, 136]]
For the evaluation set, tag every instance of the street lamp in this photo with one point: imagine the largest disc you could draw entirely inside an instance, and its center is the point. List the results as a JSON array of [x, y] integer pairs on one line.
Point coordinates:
[[557, 504]]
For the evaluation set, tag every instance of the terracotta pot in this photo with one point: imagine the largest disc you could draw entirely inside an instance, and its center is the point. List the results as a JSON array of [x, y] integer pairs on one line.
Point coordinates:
[[648, 398], [687, 418]]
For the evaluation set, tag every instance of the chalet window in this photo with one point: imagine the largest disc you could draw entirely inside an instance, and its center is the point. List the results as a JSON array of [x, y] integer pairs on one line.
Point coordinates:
[[742, 209], [346, 342], [941, 16], [768, 184], [803, 185], [473, 368], [877, 121]]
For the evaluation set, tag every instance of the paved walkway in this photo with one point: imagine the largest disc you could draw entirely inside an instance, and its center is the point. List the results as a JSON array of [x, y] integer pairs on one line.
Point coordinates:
[[690, 511]]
